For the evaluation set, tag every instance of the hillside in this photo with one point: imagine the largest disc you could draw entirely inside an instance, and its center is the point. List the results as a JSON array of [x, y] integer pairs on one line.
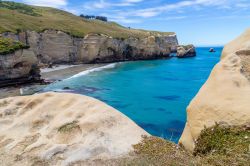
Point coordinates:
[[18, 16]]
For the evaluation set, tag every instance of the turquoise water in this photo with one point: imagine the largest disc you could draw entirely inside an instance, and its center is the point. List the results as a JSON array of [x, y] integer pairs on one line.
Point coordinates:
[[154, 94]]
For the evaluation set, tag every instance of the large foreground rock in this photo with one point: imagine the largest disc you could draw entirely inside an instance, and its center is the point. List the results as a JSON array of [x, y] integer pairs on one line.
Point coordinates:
[[225, 97], [60, 129]]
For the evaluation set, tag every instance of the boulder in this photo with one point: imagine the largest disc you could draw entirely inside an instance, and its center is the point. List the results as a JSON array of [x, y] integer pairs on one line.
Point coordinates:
[[36, 131], [212, 50], [18, 67], [186, 51], [224, 98]]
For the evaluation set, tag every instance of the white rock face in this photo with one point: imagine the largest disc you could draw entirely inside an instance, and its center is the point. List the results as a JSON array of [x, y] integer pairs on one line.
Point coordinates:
[[225, 97], [61, 129]]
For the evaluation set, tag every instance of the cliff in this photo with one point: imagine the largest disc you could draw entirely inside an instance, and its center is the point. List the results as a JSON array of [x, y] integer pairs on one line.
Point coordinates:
[[224, 98], [58, 37], [35, 130], [52, 46]]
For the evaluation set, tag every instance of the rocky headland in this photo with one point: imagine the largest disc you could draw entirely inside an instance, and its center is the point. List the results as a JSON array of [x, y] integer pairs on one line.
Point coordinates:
[[56, 47]]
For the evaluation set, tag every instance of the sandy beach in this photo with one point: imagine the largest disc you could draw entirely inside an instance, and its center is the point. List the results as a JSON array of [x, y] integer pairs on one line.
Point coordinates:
[[56, 73], [61, 72]]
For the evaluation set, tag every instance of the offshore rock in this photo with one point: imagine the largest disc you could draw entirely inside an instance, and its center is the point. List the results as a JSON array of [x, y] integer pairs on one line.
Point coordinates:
[[186, 51]]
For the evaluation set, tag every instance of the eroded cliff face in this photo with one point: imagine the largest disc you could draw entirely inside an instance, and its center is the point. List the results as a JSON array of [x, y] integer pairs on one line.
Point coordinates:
[[36, 131], [58, 47], [225, 97]]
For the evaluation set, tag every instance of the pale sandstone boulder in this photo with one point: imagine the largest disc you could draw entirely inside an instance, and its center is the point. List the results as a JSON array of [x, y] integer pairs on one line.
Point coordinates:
[[60, 129], [225, 97]]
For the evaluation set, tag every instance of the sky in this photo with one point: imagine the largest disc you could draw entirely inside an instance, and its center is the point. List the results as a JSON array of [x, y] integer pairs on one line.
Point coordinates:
[[199, 22]]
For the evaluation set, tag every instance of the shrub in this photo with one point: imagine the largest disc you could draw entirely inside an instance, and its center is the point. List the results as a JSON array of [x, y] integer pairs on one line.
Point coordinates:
[[223, 140], [8, 46]]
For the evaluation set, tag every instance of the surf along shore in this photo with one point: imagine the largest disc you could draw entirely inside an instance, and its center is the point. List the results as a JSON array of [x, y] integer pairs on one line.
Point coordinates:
[[50, 75]]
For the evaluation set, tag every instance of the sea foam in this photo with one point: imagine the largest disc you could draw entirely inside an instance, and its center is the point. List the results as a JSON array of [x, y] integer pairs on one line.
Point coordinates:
[[86, 72]]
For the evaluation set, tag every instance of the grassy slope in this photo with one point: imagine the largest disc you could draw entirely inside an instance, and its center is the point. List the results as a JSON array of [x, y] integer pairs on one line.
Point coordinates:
[[16, 16]]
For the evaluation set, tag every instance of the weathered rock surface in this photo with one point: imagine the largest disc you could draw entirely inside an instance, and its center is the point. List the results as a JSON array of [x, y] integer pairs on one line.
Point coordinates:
[[225, 97], [20, 66], [35, 130], [58, 47], [186, 51]]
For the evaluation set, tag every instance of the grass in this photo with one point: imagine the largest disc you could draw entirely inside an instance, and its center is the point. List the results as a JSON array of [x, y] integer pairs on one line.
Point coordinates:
[[16, 17], [220, 145], [22, 8], [3, 103], [68, 127], [217, 146], [8, 46]]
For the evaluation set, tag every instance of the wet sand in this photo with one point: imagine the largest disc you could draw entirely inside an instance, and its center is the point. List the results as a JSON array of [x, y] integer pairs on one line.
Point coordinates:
[[63, 72]]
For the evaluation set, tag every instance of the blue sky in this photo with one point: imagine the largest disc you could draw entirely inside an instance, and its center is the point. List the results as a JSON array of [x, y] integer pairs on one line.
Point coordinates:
[[201, 22]]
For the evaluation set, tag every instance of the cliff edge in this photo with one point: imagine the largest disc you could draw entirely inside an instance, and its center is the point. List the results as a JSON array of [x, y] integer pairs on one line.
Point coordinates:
[[61, 129], [225, 97]]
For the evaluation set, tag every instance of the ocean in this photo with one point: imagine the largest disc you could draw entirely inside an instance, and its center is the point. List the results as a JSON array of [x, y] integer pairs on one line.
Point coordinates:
[[152, 93]]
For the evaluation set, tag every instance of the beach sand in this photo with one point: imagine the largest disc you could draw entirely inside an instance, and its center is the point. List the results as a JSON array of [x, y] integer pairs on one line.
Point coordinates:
[[65, 71], [56, 73]]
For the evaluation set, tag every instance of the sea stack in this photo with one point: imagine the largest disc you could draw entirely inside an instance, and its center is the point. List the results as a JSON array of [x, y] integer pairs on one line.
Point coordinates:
[[184, 51]]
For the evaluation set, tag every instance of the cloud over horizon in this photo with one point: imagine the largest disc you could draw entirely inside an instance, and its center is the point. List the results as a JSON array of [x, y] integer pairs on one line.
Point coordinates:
[[207, 15], [48, 3]]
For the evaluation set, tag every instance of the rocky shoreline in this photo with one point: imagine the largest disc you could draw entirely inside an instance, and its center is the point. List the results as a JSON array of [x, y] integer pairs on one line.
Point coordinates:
[[49, 75], [53, 47]]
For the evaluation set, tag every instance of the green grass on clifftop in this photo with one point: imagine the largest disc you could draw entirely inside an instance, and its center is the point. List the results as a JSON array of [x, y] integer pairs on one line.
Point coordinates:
[[8, 46], [16, 16]]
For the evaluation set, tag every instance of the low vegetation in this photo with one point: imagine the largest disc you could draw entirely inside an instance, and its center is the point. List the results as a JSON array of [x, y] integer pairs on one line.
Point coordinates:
[[3, 103], [16, 17], [8, 46], [68, 127], [222, 145], [218, 146]]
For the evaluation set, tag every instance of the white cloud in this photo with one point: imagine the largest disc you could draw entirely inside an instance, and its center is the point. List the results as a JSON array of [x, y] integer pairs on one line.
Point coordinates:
[[101, 4], [50, 3]]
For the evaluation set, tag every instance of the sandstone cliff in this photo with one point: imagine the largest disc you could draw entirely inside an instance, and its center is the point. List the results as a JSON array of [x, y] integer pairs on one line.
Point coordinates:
[[53, 46], [35, 130], [56, 47], [225, 97]]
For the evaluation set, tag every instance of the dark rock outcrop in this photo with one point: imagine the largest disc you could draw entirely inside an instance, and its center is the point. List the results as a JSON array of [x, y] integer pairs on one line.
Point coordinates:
[[18, 67], [186, 51]]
